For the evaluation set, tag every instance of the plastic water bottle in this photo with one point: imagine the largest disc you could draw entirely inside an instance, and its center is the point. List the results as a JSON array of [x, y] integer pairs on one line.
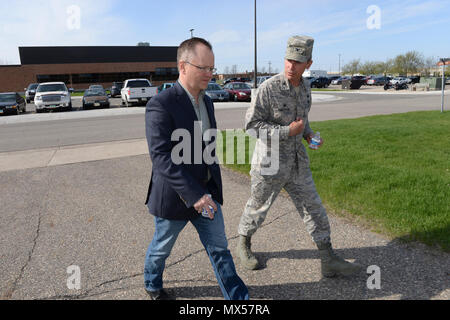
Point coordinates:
[[315, 141], [204, 212]]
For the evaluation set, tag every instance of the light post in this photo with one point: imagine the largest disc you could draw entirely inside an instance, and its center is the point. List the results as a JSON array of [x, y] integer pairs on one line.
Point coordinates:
[[444, 62], [192, 34], [339, 64], [256, 66]]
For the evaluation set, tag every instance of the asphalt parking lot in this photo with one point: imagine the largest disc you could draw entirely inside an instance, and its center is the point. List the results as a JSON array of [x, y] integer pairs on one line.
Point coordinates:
[[77, 104]]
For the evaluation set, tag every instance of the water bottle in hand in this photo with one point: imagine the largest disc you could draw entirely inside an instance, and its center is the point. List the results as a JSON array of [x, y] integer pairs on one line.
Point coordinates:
[[204, 212], [315, 141]]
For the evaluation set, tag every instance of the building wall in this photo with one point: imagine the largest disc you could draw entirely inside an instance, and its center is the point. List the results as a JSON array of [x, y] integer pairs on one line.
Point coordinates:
[[16, 78]]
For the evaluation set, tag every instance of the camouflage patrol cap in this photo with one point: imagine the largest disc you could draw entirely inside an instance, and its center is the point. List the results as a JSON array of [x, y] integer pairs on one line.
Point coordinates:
[[299, 48]]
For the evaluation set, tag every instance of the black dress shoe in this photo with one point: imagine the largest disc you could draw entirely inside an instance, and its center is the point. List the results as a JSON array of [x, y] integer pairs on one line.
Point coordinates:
[[160, 294]]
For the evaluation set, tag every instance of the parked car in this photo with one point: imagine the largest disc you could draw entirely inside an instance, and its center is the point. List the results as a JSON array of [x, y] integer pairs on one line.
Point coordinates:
[[332, 78], [216, 93], [95, 98], [371, 81], [244, 79], [378, 81], [230, 80], [359, 78], [96, 87], [339, 80], [320, 82], [137, 90], [310, 79], [369, 78], [414, 79], [51, 96], [261, 80], [30, 92], [238, 79], [239, 91], [399, 80], [115, 89], [12, 103], [165, 86]]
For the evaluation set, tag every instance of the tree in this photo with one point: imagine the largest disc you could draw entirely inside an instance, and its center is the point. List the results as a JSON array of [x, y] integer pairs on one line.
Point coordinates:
[[234, 69], [226, 70], [372, 67], [388, 66], [352, 67], [143, 44], [410, 62], [414, 61], [429, 65]]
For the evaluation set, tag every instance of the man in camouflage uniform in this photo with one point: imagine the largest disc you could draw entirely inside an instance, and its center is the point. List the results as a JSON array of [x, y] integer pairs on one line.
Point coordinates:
[[280, 111]]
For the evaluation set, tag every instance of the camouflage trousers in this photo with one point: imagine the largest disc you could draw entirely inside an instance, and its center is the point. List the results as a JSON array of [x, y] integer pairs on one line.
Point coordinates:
[[301, 189]]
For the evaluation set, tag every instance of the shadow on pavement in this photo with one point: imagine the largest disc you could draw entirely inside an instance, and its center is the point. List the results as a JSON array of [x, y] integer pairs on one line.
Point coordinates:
[[405, 273]]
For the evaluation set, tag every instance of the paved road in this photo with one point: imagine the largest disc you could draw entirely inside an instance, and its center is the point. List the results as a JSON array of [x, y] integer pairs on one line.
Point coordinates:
[[32, 131], [83, 206]]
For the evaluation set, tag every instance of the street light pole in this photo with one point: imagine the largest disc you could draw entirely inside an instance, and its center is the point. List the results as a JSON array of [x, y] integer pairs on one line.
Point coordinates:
[[256, 66], [339, 64], [443, 84], [192, 35]]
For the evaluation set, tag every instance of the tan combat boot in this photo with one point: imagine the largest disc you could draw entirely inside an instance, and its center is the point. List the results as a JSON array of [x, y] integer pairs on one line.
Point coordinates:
[[332, 265], [246, 255]]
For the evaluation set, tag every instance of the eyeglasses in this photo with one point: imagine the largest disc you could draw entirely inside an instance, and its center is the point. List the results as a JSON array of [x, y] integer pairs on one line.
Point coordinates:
[[204, 69]]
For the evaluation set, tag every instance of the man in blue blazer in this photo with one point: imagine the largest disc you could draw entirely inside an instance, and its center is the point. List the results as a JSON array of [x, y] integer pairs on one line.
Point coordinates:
[[183, 185]]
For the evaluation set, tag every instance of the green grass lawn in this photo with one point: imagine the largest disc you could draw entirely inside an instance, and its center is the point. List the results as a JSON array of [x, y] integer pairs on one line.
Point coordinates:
[[390, 172]]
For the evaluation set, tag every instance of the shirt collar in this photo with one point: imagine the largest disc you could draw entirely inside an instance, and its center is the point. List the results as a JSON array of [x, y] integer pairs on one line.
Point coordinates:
[[200, 95]]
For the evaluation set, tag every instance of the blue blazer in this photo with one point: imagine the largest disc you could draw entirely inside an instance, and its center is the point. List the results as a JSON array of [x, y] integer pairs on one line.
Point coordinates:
[[175, 188]]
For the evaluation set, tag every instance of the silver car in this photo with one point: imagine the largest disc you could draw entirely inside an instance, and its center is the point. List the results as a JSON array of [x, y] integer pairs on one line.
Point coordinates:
[[95, 98], [216, 93]]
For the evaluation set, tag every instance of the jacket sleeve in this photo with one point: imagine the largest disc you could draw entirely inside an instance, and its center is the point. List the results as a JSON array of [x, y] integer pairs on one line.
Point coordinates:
[[258, 116], [158, 128]]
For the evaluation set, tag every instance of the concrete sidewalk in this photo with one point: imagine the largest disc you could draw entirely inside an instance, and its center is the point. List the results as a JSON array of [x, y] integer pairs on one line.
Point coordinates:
[[76, 207], [57, 156]]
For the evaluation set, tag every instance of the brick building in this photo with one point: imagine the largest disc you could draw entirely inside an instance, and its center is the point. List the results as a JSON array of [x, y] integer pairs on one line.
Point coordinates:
[[80, 67]]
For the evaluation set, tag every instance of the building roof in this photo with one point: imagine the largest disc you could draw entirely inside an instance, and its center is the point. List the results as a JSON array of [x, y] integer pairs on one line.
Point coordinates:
[[106, 54]]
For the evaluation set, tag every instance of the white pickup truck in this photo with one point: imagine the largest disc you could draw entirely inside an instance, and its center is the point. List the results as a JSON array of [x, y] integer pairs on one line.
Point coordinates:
[[137, 90]]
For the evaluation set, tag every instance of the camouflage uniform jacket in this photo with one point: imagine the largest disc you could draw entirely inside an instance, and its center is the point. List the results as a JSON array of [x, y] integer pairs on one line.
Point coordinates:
[[275, 106]]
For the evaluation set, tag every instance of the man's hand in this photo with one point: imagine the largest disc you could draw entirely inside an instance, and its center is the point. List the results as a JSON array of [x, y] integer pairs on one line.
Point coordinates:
[[296, 127], [204, 203]]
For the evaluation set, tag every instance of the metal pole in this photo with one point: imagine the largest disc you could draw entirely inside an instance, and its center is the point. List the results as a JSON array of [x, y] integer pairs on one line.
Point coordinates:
[[443, 84], [256, 65], [339, 64], [192, 35]]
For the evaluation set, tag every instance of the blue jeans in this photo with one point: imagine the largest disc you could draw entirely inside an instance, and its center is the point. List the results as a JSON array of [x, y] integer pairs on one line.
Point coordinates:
[[213, 238]]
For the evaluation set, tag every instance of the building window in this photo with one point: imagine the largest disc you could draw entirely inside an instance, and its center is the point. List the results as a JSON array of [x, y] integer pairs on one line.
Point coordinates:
[[53, 78]]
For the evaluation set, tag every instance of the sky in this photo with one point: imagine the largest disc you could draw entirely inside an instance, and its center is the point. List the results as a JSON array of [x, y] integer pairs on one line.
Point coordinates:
[[343, 30]]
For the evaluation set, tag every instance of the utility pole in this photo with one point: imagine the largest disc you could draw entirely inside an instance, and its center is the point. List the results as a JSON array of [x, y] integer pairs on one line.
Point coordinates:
[[339, 64], [444, 62], [256, 67]]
